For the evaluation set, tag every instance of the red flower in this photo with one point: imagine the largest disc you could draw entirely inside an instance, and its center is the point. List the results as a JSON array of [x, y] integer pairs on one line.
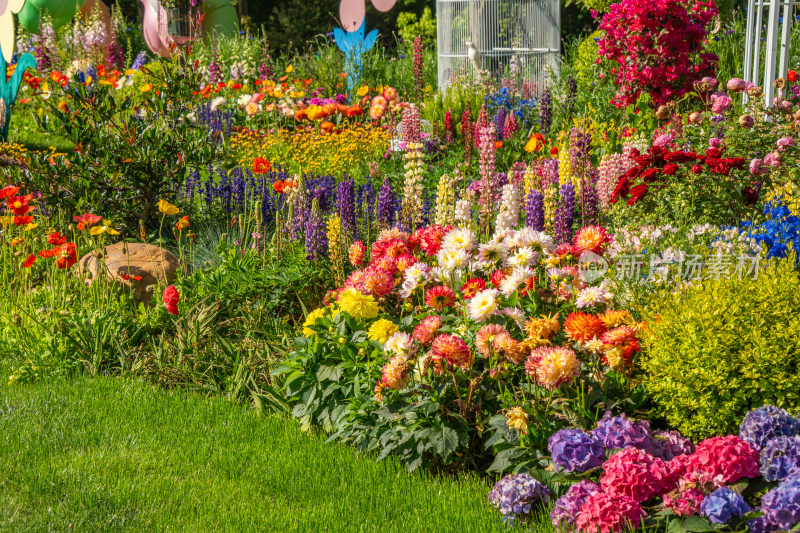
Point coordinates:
[[56, 239], [67, 255], [497, 278], [279, 186], [670, 169], [471, 288], [261, 165], [170, 299], [637, 193], [29, 261], [440, 297], [498, 145], [354, 111], [183, 223], [86, 220], [8, 191], [792, 76], [554, 150], [22, 221], [20, 205], [128, 277], [697, 169]]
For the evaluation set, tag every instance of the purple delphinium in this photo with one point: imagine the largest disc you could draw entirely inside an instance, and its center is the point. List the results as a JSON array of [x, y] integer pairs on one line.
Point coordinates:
[[781, 505], [345, 206], [617, 432], [568, 506], [722, 505], [534, 210], [565, 214], [139, 61], [780, 458], [589, 203], [500, 122], [387, 205], [761, 425], [669, 444], [545, 112], [516, 494], [573, 450], [238, 187]]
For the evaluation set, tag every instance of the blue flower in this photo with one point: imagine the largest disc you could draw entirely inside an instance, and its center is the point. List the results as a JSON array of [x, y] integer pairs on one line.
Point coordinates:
[[572, 450], [780, 458], [722, 505]]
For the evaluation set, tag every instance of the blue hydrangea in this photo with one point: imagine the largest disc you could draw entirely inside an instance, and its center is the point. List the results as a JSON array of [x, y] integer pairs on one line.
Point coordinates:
[[516, 494], [761, 425], [669, 444], [761, 525], [617, 432], [722, 505], [572, 450], [781, 505], [779, 458]]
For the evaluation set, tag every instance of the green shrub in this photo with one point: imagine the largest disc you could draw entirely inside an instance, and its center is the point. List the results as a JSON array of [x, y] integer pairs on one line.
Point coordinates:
[[717, 350]]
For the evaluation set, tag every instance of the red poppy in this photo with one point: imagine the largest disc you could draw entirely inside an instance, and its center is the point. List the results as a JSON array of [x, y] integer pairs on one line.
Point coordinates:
[[128, 277], [29, 261], [20, 205], [52, 252], [261, 165], [22, 221], [8, 191], [183, 223], [170, 298], [86, 220], [498, 145], [56, 239], [554, 150], [279, 186], [67, 255]]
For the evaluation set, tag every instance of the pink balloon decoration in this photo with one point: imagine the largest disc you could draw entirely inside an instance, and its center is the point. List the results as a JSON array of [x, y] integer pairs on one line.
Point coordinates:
[[351, 13], [154, 41], [384, 5]]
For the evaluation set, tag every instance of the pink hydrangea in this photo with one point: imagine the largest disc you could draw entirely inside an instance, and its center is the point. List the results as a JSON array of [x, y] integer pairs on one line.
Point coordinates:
[[691, 490], [726, 458], [635, 474], [605, 513]]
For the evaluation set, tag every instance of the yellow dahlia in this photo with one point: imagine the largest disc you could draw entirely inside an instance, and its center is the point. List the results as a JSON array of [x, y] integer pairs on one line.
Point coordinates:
[[542, 328], [311, 319], [509, 347], [613, 318], [517, 418], [359, 306], [381, 330], [553, 366]]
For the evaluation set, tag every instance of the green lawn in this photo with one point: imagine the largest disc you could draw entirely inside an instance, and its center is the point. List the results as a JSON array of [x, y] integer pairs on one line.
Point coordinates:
[[114, 455]]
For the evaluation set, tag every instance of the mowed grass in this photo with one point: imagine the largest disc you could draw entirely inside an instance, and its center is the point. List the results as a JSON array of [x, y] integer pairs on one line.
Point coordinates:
[[114, 455]]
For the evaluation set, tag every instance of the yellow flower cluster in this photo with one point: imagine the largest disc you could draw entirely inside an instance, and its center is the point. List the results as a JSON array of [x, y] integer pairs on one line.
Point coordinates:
[[789, 194], [312, 150]]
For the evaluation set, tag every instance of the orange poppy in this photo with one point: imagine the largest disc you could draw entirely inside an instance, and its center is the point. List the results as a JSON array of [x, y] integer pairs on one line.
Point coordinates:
[[8, 191], [56, 239], [354, 111], [535, 143], [261, 165], [279, 186], [183, 223], [498, 145]]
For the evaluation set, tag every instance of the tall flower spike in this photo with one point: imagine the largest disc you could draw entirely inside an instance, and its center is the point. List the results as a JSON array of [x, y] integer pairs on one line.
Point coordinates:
[[487, 170], [565, 214]]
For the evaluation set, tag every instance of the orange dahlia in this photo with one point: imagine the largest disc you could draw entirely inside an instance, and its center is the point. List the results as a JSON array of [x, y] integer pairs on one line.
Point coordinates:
[[590, 239], [484, 339], [440, 297], [614, 318], [453, 349], [544, 327], [582, 327]]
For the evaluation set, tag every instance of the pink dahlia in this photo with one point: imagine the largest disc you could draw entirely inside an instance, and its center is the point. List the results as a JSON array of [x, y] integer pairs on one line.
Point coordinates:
[[604, 513], [395, 372], [453, 349], [590, 239], [425, 330], [405, 261], [484, 339], [635, 474], [727, 458], [430, 238]]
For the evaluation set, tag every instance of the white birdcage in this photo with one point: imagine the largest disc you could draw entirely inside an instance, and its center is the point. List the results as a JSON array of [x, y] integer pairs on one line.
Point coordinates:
[[778, 16], [518, 39]]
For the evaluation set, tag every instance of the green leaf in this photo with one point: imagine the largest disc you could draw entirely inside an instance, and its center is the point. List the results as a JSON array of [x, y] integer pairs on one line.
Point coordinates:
[[690, 524], [444, 440]]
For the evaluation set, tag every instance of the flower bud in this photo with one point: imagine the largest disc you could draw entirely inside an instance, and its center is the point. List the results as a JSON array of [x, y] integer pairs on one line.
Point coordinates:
[[695, 117], [780, 83], [755, 92], [747, 121], [662, 113]]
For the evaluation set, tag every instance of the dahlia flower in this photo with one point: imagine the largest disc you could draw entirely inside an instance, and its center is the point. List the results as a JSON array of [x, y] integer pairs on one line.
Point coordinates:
[[553, 366], [311, 319], [516, 494], [397, 343], [483, 304], [590, 239], [521, 258], [425, 330], [381, 330], [356, 253], [453, 349], [484, 339], [581, 327], [517, 418], [395, 372], [604, 513], [440, 297], [761, 425], [722, 505], [359, 306], [492, 252], [509, 347], [471, 287], [459, 239], [575, 451], [591, 296], [544, 327]]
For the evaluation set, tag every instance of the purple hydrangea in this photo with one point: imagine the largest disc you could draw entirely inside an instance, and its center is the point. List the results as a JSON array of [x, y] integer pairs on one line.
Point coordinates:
[[669, 444], [780, 458], [761, 525], [766, 423], [617, 432], [569, 505], [722, 505], [781, 505], [515, 495], [575, 451]]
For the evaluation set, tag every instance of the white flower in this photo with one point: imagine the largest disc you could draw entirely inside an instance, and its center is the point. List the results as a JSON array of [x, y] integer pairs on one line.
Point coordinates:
[[492, 252], [244, 99], [483, 304], [218, 102], [450, 259], [591, 296], [459, 239], [463, 212], [595, 345], [439, 275], [515, 314], [511, 283], [521, 258], [397, 343], [409, 286]]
